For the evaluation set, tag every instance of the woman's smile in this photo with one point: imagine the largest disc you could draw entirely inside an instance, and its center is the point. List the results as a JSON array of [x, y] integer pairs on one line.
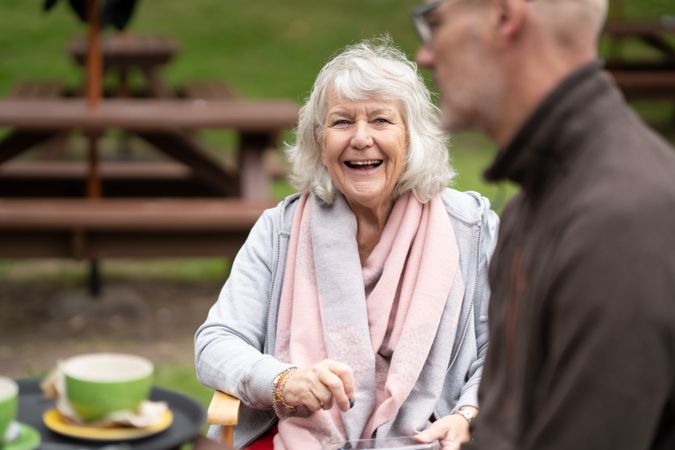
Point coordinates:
[[364, 165]]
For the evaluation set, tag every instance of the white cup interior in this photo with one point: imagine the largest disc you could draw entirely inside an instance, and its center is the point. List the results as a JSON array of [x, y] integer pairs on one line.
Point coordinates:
[[8, 388], [107, 367]]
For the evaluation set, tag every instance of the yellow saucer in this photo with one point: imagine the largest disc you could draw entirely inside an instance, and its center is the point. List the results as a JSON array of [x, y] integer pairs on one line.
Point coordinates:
[[56, 422]]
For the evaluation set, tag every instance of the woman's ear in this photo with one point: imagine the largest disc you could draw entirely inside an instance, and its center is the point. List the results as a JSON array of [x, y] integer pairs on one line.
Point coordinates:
[[318, 137], [318, 143]]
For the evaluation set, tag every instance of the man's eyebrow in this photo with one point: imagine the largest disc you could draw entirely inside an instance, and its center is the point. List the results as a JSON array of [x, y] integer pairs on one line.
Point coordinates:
[[436, 14]]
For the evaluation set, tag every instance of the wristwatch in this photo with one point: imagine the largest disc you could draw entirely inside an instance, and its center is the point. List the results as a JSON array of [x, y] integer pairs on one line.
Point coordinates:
[[468, 413]]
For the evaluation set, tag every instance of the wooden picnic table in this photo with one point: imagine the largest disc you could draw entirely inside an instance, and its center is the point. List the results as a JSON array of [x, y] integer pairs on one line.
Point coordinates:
[[651, 77], [166, 124], [657, 35], [193, 205], [91, 228], [124, 53], [148, 114]]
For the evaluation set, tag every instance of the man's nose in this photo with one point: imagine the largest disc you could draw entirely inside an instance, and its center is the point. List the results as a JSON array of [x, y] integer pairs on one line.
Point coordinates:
[[425, 57]]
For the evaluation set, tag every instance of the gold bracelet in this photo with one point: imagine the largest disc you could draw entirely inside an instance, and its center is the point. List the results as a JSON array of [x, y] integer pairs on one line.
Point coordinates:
[[279, 405]]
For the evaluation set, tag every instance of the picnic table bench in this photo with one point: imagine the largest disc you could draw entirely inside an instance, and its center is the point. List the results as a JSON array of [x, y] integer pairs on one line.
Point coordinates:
[[41, 89], [111, 228], [137, 178], [643, 78], [124, 53]]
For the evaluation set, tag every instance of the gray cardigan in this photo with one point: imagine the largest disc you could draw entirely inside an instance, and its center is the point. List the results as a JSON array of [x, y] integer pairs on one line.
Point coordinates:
[[234, 346]]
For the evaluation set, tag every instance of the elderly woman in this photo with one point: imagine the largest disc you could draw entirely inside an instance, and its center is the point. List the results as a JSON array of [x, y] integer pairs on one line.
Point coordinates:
[[357, 308]]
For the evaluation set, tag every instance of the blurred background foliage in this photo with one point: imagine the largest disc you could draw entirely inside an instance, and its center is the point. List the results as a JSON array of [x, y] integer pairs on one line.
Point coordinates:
[[264, 49]]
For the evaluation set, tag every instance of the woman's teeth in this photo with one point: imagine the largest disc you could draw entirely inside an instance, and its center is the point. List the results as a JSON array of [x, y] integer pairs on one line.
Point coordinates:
[[367, 164]]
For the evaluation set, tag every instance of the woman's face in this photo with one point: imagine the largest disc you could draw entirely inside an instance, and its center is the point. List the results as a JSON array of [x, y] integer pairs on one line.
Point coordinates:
[[364, 149]]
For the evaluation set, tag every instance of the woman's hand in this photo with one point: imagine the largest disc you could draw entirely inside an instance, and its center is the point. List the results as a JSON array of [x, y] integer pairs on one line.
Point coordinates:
[[452, 430], [318, 386]]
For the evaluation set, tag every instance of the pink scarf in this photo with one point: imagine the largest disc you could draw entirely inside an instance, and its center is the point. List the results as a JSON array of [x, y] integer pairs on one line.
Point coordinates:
[[381, 319]]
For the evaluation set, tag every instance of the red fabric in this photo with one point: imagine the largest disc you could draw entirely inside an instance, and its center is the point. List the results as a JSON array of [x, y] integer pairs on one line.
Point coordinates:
[[264, 442]]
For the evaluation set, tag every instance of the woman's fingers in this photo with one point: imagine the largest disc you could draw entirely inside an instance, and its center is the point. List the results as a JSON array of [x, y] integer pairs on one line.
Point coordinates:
[[451, 430], [300, 390], [346, 375], [324, 396], [336, 388], [320, 386], [339, 378]]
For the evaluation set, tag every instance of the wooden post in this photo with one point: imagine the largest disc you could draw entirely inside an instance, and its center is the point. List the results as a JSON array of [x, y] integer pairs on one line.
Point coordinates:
[[94, 61], [254, 181], [94, 75], [94, 175]]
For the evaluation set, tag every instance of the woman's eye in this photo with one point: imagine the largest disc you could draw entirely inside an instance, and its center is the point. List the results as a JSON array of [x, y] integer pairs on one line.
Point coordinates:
[[340, 122], [381, 120]]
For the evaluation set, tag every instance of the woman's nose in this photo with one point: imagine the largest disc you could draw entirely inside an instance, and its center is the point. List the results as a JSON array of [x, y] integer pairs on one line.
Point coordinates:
[[361, 137]]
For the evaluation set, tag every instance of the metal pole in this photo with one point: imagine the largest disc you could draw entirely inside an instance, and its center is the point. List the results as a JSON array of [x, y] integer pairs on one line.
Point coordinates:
[[94, 82]]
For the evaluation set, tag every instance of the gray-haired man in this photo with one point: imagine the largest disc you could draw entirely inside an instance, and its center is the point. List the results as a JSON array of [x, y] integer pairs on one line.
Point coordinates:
[[582, 314]]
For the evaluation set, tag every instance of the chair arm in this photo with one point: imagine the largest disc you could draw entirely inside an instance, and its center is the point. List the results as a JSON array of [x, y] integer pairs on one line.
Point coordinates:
[[224, 411]]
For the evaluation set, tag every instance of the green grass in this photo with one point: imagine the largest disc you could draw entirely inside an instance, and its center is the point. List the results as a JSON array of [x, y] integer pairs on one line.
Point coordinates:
[[643, 9], [68, 273], [265, 48], [182, 379]]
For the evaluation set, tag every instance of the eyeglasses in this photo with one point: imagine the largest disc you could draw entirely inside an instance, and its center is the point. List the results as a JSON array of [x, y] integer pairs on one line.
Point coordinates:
[[424, 20]]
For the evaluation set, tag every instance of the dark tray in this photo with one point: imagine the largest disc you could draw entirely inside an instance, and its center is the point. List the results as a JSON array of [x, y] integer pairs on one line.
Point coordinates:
[[188, 418]]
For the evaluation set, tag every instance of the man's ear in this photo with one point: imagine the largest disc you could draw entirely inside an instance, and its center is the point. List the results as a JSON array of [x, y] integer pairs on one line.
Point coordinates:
[[511, 20]]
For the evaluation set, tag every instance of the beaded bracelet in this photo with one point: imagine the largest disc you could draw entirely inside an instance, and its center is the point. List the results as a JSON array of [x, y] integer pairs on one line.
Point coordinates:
[[281, 408]]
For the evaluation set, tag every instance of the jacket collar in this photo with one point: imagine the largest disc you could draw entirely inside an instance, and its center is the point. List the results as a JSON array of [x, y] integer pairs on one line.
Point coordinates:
[[568, 116]]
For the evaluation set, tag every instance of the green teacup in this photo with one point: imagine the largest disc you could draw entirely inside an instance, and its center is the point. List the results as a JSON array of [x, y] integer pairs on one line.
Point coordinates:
[[98, 384], [9, 395]]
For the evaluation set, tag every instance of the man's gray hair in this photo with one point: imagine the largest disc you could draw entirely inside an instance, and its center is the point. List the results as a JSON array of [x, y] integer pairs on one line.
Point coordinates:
[[373, 70], [597, 10], [568, 18]]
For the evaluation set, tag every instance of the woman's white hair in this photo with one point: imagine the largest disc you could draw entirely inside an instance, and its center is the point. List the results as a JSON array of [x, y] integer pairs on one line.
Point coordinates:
[[373, 70]]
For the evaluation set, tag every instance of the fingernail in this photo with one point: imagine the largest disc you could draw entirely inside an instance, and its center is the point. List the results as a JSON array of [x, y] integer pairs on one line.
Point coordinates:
[[351, 403]]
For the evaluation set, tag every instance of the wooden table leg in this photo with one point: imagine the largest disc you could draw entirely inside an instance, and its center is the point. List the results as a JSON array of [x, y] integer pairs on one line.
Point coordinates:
[[156, 86], [188, 150], [254, 180], [93, 176], [94, 280], [94, 193]]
